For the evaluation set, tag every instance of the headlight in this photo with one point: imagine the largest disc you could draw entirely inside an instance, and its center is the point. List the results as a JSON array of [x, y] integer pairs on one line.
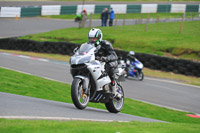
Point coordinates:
[[72, 60], [84, 60]]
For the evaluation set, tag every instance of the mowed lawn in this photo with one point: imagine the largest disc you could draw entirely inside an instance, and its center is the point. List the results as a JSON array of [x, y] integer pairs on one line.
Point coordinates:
[[161, 38]]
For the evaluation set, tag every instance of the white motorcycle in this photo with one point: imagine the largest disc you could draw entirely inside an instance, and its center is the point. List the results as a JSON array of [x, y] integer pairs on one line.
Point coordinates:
[[91, 83]]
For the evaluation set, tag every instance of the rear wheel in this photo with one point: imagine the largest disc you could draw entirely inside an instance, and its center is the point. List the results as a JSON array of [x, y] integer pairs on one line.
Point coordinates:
[[79, 99], [116, 104], [140, 76]]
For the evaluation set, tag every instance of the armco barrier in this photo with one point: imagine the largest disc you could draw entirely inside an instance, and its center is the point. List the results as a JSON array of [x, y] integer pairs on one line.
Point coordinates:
[[134, 8], [192, 8], [97, 9], [10, 12], [50, 10], [100, 8], [119, 8], [68, 10], [178, 8], [180, 66], [164, 8], [30, 11], [149, 8], [89, 8]]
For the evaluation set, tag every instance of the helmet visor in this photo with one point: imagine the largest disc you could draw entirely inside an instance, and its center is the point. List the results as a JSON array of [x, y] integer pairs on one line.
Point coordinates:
[[93, 39]]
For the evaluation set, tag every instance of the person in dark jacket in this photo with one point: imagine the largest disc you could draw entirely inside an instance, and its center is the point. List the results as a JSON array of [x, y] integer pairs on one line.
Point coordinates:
[[105, 53], [112, 16], [104, 17]]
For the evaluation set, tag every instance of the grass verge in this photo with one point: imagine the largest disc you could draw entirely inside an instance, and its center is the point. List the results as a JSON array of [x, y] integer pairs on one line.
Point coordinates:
[[33, 86], [130, 16], [161, 39], [10, 126], [110, 0]]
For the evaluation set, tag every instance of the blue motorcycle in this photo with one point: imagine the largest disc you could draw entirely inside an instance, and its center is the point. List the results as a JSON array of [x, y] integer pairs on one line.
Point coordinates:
[[134, 70]]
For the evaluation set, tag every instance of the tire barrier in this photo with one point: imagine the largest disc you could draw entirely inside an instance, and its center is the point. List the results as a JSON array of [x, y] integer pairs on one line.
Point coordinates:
[[65, 48], [155, 62]]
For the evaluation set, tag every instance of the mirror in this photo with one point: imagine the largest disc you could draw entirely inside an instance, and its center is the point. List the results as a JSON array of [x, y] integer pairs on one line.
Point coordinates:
[[75, 50]]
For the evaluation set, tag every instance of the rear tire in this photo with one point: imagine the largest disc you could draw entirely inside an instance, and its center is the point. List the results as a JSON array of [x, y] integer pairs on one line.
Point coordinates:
[[116, 105], [141, 76], [79, 99]]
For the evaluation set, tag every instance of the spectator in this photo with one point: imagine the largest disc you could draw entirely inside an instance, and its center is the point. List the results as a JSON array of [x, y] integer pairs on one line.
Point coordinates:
[[104, 17], [112, 16], [84, 13]]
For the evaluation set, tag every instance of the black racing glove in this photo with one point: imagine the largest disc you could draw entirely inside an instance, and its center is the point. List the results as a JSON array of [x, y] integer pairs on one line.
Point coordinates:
[[101, 58]]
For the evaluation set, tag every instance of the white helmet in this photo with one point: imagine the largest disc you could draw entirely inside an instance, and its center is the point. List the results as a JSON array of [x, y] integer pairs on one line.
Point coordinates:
[[131, 53], [95, 36]]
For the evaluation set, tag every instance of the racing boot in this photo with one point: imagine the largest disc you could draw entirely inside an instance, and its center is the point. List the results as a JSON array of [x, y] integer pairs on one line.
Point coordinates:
[[117, 95]]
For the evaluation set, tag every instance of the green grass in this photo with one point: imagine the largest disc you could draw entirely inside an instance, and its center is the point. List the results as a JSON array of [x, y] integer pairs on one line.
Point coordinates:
[[161, 39], [130, 16], [113, 0], [21, 126], [23, 84]]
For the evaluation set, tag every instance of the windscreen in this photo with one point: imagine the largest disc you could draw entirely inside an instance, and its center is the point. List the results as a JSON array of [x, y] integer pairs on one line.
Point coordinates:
[[85, 48]]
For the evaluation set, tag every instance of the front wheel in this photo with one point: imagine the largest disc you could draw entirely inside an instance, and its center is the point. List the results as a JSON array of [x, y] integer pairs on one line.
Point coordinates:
[[79, 99], [115, 105]]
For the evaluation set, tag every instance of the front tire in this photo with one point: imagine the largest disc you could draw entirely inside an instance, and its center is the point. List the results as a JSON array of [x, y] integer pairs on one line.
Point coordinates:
[[79, 99], [115, 105]]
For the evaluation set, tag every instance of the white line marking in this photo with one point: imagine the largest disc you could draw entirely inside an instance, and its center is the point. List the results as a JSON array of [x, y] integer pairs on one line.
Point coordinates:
[[23, 56], [162, 105], [55, 118], [6, 53], [32, 74], [41, 59], [167, 81]]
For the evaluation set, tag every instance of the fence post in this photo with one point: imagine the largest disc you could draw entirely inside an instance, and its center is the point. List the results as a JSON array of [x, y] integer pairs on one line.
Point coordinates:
[[83, 22], [138, 21], [116, 21], [90, 22], [79, 24], [146, 27], [124, 19], [181, 25], [158, 17], [141, 19]]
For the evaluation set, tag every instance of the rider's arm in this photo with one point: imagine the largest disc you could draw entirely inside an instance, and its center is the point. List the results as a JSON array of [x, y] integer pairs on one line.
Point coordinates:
[[111, 55]]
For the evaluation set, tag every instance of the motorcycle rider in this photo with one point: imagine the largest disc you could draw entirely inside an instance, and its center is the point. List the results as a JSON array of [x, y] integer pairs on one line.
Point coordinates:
[[130, 57], [105, 53]]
